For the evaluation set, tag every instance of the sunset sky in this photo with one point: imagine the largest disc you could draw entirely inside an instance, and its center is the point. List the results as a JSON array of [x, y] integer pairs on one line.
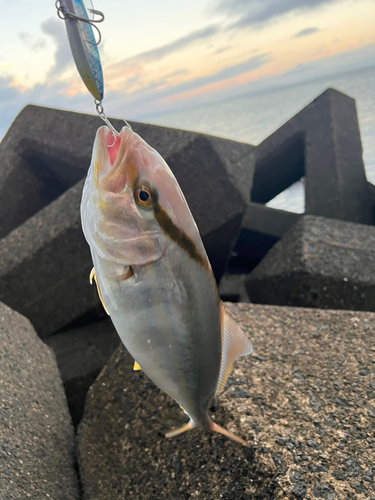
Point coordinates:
[[170, 54]]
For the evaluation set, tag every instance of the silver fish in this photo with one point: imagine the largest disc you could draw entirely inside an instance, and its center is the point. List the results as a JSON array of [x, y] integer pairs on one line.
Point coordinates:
[[154, 277]]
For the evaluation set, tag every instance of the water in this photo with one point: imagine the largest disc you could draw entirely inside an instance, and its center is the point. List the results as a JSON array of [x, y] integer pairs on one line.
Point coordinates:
[[252, 117]]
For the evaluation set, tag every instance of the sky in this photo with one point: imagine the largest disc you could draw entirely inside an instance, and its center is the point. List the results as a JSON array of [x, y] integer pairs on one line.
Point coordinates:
[[172, 54]]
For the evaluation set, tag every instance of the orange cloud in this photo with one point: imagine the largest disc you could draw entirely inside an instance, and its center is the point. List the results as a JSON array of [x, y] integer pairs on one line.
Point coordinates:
[[18, 85]]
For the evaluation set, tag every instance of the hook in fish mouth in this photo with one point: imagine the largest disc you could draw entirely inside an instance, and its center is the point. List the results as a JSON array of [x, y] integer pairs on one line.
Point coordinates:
[[114, 162]]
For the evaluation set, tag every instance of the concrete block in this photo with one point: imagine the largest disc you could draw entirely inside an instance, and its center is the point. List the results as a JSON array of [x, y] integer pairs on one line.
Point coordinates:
[[322, 143], [46, 151], [261, 228], [37, 443], [232, 288], [372, 193], [304, 401], [80, 354], [320, 262], [45, 264]]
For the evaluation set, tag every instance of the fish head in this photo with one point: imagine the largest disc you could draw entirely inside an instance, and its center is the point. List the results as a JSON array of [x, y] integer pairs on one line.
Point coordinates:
[[132, 203]]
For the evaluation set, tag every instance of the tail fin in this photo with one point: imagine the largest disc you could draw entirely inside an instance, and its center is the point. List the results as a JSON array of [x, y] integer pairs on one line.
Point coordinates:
[[216, 428], [212, 426], [187, 427]]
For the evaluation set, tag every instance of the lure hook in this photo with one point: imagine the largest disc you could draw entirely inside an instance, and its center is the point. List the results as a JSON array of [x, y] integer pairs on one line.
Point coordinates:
[[64, 14], [100, 111]]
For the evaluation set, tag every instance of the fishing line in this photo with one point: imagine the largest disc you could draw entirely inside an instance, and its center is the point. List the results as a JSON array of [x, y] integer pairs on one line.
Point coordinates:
[[100, 111], [85, 51]]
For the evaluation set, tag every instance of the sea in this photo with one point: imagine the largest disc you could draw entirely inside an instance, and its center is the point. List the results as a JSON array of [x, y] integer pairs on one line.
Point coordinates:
[[252, 117]]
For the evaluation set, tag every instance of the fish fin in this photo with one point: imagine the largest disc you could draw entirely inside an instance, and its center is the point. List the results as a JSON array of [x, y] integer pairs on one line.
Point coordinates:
[[183, 409], [92, 275], [93, 278], [176, 432], [127, 274], [212, 427], [136, 367], [216, 428], [234, 345]]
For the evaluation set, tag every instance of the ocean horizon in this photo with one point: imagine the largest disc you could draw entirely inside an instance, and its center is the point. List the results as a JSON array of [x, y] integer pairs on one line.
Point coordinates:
[[254, 116]]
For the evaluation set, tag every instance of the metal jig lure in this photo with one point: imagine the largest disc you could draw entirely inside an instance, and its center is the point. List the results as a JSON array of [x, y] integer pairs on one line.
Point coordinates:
[[84, 48]]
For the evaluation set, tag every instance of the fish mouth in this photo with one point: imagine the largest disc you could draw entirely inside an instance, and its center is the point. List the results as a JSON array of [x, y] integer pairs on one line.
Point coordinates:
[[113, 167]]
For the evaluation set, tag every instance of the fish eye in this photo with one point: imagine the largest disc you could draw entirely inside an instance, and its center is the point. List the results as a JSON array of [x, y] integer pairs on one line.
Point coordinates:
[[144, 197]]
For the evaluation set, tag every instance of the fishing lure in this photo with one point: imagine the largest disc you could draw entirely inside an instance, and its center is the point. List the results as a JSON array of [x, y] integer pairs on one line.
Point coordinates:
[[84, 47]]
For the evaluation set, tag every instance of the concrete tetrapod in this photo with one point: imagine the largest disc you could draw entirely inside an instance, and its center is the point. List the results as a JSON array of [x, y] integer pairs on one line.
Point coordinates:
[[320, 262], [322, 143], [36, 433], [304, 400]]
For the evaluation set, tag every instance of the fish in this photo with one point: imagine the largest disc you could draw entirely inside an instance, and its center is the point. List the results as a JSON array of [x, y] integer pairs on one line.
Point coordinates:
[[154, 277]]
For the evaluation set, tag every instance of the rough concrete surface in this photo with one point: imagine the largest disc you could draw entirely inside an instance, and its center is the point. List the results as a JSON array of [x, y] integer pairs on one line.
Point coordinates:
[[324, 263], [81, 353], [261, 228], [36, 434], [305, 401], [232, 288], [45, 265]]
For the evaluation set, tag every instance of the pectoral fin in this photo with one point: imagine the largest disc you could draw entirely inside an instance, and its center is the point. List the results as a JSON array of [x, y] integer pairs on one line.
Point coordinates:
[[136, 367], [93, 277], [234, 345]]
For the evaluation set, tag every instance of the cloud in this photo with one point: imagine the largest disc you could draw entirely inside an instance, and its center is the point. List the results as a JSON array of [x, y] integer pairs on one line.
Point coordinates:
[[7, 90], [343, 62], [224, 74], [223, 49], [238, 69], [257, 12], [63, 57], [150, 99], [180, 43], [322, 69], [325, 68], [129, 72], [306, 32], [55, 95], [37, 44], [165, 50]]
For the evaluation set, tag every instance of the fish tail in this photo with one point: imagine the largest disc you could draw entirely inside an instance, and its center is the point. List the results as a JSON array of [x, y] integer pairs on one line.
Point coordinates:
[[211, 426], [187, 427], [220, 430]]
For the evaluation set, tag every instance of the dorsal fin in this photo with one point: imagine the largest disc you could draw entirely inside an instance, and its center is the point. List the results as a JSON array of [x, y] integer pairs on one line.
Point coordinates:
[[234, 345]]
